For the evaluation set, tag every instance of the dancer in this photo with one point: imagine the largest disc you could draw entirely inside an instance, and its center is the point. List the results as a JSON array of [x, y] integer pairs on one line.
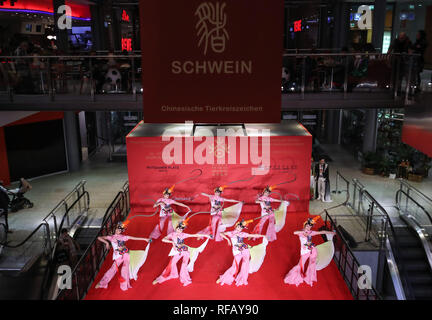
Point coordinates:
[[267, 213], [121, 255], [298, 274], [217, 213], [251, 262], [166, 213], [180, 250]]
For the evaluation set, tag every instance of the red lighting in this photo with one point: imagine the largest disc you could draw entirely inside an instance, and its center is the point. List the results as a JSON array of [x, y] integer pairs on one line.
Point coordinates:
[[297, 26], [12, 2], [78, 10], [125, 16], [126, 44]]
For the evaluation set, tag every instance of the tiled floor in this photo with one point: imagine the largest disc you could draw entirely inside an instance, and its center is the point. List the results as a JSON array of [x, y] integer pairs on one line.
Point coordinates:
[[103, 181]]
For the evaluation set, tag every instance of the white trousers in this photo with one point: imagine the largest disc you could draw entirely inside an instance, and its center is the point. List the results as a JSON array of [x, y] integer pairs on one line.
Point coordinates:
[[321, 188]]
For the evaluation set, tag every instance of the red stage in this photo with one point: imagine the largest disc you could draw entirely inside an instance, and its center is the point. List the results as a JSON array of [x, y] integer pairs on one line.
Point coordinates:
[[290, 155]]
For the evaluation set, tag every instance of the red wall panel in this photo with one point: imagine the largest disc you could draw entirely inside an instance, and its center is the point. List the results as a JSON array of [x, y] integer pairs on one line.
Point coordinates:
[[148, 175], [4, 165]]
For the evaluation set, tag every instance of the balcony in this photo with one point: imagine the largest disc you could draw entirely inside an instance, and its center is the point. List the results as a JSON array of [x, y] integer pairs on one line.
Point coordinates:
[[113, 82]]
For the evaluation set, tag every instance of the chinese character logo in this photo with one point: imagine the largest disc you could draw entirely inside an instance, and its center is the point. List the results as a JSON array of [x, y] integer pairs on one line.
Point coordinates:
[[211, 26], [297, 26]]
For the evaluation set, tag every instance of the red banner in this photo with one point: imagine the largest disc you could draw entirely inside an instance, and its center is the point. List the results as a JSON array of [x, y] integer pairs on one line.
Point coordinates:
[[288, 167], [212, 61]]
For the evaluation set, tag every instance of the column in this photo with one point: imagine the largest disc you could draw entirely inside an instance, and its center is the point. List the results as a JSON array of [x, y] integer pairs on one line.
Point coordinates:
[[73, 144], [333, 126], [102, 128], [378, 23], [61, 34], [99, 31], [341, 23], [370, 131]]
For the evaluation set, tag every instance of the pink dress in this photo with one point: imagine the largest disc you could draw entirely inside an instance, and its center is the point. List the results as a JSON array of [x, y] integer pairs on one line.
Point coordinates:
[[268, 213], [241, 254], [216, 218], [120, 255], [307, 251], [171, 272], [165, 214]]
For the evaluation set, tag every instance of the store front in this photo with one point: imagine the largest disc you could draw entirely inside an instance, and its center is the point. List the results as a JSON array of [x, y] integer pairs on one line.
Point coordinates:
[[34, 23]]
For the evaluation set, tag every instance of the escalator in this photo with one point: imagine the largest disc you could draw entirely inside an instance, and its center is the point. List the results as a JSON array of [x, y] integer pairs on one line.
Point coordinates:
[[411, 243], [414, 263], [85, 236], [26, 266]]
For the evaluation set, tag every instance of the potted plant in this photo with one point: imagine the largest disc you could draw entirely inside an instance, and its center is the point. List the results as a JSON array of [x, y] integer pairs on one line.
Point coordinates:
[[392, 168], [370, 162], [383, 167]]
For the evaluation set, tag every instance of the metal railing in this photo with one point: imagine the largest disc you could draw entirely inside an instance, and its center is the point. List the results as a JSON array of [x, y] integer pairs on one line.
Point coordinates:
[[83, 75], [378, 229], [411, 200], [91, 261], [63, 207], [416, 215], [91, 75], [348, 265], [351, 72], [339, 177], [369, 209], [43, 237]]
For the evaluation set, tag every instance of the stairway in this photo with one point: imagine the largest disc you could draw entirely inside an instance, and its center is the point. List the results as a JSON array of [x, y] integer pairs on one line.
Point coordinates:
[[416, 269]]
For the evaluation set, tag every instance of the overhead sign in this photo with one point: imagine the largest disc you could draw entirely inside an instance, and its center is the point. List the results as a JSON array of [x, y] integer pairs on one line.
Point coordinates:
[[297, 26], [211, 61], [125, 16]]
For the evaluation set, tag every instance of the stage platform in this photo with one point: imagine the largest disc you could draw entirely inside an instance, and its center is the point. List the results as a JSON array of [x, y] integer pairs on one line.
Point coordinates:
[[206, 166], [266, 284]]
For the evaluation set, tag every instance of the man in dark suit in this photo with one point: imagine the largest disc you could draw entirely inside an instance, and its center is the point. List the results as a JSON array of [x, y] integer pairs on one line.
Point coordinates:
[[322, 181]]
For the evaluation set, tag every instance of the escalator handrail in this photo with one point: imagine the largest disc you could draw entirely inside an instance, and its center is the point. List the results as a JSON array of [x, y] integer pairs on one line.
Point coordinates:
[[109, 210], [119, 194], [418, 204], [403, 182], [393, 233], [85, 193], [394, 271], [412, 222], [43, 224], [80, 185]]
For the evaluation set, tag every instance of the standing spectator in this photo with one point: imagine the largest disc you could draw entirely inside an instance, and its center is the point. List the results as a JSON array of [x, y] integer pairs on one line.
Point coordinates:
[[399, 45], [4, 203], [322, 181], [25, 83], [419, 47], [67, 248]]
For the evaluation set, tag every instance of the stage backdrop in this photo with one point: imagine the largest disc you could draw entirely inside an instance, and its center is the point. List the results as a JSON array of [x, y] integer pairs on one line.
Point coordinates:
[[211, 61], [289, 161]]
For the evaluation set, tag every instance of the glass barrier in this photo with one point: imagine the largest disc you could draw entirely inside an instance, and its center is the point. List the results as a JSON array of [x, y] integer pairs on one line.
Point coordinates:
[[394, 75]]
